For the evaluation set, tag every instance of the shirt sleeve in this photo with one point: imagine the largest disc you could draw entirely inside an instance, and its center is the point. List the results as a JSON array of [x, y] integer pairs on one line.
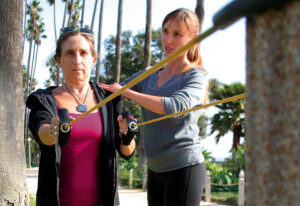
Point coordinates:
[[190, 93], [37, 117]]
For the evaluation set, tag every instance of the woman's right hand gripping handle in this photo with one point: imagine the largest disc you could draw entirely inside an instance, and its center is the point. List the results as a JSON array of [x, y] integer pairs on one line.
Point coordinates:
[[132, 128]]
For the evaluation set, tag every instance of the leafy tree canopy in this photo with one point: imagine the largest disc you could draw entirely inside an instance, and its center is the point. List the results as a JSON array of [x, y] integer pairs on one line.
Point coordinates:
[[230, 115]]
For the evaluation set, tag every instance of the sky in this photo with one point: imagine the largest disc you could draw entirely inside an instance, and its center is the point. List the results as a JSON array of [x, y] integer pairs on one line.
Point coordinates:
[[223, 52]]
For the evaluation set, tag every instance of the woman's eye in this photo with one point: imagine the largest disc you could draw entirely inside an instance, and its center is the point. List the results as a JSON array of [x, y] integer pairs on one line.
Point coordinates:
[[70, 53], [83, 53]]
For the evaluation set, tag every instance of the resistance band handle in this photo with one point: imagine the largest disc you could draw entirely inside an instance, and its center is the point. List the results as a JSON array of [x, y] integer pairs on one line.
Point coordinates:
[[64, 129], [239, 8], [132, 128]]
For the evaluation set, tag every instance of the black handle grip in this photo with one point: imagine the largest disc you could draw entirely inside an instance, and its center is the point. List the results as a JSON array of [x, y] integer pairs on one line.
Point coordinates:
[[132, 129], [239, 8], [64, 130]]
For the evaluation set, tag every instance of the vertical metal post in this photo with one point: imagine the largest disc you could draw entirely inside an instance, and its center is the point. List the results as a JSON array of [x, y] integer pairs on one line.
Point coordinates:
[[208, 187], [241, 193], [144, 186], [273, 108], [130, 178]]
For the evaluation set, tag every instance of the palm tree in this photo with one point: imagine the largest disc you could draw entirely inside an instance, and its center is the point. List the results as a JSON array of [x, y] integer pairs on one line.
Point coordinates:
[[82, 13], [65, 13], [118, 43], [231, 115], [12, 161], [94, 13], [35, 28], [52, 2], [99, 42], [199, 10], [75, 14], [147, 60], [70, 8], [148, 36]]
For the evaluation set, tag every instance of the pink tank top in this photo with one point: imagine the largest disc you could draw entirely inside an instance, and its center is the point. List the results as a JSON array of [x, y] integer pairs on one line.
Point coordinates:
[[79, 171]]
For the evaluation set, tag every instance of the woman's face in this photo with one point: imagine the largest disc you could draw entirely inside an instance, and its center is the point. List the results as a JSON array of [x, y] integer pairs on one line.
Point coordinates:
[[76, 59], [174, 36]]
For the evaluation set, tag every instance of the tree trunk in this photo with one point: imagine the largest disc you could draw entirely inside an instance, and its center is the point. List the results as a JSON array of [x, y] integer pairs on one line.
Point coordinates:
[[199, 10], [272, 107], [13, 190], [82, 14], [99, 42], [94, 13], [65, 14], [236, 136], [147, 61], [148, 35], [54, 22], [118, 43], [71, 12]]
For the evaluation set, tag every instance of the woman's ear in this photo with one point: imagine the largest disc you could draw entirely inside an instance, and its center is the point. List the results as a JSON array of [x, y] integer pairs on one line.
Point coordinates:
[[94, 60], [57, 59]]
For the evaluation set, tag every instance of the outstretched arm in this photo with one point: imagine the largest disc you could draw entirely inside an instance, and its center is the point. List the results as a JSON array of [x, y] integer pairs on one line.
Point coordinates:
[[126, 150], [150, 102]]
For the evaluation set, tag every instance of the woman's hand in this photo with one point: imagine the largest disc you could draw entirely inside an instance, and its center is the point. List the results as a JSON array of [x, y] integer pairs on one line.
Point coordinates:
[[113, 88], [126, 150], [110, 87], [54, 129], [123, 124], [48, 133]]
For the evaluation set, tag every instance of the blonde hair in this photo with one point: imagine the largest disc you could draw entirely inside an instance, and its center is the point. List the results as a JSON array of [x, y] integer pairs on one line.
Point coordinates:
[[191, 20]]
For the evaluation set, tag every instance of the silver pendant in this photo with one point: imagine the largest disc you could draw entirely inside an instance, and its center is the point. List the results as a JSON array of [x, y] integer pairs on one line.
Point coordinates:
[[81, 108]]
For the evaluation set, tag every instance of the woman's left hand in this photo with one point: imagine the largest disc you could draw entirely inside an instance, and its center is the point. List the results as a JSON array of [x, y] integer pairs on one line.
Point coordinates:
[[123, 124]]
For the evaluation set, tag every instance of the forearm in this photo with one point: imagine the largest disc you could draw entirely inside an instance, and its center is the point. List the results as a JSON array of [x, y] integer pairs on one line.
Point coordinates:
[[45, 136], [150, 102], [127, 150]]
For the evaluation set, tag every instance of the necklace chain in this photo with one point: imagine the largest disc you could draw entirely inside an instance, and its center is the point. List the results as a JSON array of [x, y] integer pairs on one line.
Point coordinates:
[[75, 96]]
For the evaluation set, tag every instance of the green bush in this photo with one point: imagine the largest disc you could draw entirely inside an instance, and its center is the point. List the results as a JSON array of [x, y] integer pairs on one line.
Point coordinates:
[[221, 175], [32, 201], [124, 167], [227, 172]]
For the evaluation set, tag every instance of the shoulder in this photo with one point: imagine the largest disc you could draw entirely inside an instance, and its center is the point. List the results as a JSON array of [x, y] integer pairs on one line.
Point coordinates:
[[99, 91], [103, 93], [195, 73], [40, 95]]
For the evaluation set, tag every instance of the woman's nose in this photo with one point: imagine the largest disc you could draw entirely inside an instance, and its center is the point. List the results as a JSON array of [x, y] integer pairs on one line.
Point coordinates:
[[168, 39], [77, 59]]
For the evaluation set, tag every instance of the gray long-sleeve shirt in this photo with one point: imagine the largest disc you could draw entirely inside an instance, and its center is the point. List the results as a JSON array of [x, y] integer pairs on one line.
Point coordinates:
[[173, 143]]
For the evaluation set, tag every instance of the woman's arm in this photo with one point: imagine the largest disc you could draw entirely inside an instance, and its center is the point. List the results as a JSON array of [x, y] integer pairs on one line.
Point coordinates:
[[48, 133], [150, 102], [126, 150], [44, 135]]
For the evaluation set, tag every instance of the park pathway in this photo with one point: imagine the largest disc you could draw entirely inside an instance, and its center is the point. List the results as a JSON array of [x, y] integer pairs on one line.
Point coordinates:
[[128, 197]]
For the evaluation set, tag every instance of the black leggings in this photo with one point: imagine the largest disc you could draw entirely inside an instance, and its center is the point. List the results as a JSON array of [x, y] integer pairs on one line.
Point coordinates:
[[181, 187]]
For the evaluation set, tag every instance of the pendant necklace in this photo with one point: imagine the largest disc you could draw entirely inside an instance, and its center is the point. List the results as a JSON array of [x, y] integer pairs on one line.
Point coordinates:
[[81, 107]]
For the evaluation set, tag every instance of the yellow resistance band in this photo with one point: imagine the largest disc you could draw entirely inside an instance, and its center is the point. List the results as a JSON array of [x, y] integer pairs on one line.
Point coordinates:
[[148, 72], [240, 96]]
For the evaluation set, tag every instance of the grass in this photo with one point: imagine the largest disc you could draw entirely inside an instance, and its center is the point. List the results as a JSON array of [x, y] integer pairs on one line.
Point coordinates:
[[229, 198], [32, 201]]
